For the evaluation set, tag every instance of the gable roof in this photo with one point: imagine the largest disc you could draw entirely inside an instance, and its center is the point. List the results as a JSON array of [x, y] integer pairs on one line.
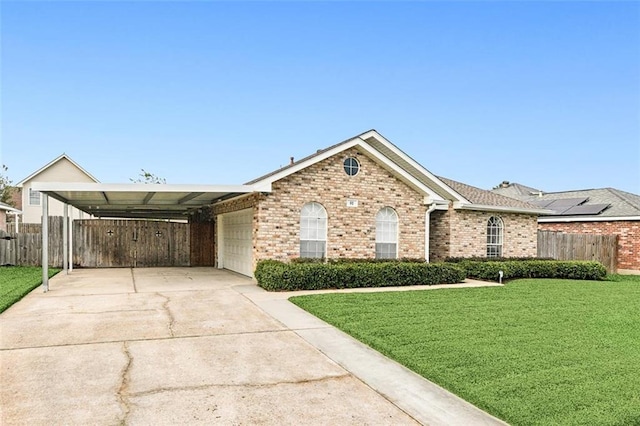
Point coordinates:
[[382, 152], [601, 203], [483, 197], [51, 163], [436, 189]]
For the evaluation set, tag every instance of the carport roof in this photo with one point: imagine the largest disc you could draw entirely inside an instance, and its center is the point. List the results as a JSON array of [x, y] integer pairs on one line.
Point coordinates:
[[149, 201]]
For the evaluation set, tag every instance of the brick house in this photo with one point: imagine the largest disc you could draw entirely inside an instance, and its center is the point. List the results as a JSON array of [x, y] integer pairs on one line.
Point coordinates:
[[604, 211], [361, 198], [365, 198]]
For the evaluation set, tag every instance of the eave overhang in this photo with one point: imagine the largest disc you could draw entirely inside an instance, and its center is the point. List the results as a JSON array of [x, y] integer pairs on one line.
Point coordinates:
[[488, 208]]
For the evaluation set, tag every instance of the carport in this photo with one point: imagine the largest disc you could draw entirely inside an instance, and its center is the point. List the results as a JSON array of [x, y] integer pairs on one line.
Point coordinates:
[[129, 201]]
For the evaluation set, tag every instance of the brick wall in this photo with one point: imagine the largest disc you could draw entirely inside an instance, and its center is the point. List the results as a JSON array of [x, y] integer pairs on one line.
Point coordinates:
[[628, 237], [351, 230], [463, 233], [440, 235]]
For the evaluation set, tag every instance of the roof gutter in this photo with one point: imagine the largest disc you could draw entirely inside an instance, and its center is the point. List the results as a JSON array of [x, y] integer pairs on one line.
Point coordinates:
[[587, 219], [488, 208]]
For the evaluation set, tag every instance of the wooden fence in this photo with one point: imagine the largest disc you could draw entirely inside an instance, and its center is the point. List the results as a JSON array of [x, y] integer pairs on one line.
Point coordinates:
[[25, 247], [561, 246], [101, 243]]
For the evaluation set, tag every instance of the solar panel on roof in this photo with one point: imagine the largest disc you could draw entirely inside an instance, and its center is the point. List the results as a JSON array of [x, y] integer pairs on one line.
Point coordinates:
[[585, 209], [568, 202], [541, 203], [563, 204]]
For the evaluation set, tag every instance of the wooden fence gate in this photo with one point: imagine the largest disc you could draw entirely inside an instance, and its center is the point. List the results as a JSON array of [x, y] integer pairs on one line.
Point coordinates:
[[561, 246], [100, 243]]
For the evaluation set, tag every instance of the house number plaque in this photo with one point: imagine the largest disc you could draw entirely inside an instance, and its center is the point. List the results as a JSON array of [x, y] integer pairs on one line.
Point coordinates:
[[352, 203]]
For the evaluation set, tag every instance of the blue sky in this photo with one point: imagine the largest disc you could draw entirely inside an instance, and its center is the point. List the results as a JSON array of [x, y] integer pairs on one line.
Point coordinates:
[[542, 93]]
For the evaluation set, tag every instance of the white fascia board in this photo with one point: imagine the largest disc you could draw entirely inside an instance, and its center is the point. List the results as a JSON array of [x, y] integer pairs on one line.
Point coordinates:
[[486, 208], [414, 163], [10, 209], [139, 187], [357, 141], [439, 202], [400, 171], [303, 165], [587, 219]]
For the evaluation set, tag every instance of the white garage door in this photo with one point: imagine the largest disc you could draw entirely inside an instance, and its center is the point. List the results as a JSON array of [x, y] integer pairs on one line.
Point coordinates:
[[236, 245]]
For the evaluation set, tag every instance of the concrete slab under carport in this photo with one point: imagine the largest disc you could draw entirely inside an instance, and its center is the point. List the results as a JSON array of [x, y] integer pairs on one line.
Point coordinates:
[[198, 346]]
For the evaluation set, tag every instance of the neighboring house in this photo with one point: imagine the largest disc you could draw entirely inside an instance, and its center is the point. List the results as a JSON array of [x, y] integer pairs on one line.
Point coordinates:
[[4, 210], [365, 198], [605, 211], [61, 169]]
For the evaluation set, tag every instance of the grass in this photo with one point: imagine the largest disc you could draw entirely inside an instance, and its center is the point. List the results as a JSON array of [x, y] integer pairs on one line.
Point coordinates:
[[535, 352], [17, 281]]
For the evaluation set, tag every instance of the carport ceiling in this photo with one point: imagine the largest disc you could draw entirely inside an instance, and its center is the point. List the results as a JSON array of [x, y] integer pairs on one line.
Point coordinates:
[[149, 201]]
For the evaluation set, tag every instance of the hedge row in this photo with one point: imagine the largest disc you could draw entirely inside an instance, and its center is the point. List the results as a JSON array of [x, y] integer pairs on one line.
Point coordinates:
[[356, 260], [274, 275], [575, 270], [492, 259]]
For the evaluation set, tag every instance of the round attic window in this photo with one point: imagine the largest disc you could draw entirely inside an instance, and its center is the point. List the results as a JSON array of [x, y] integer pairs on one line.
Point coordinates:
[[351, 166]]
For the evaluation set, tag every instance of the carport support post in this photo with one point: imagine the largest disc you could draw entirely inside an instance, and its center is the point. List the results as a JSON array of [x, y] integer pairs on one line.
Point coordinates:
[[70, 207], [45, 242], [65, 239]]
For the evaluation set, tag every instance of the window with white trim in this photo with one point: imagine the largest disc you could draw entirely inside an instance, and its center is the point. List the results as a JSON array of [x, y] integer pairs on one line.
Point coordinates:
[[313, 231], [494, 237], [387, 234], [34, 197]]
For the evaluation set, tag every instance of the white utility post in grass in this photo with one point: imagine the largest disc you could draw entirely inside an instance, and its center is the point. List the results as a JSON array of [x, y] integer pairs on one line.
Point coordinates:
[[45, 242]]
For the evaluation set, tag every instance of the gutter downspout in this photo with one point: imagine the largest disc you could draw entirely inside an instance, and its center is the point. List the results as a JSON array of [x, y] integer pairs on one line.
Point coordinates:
[[427, 222]]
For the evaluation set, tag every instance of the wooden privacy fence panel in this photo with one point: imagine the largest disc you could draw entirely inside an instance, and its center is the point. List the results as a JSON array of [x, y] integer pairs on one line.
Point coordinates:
[[202, 243], [99, 243], [562, 246], [25, 248], [27, 228]]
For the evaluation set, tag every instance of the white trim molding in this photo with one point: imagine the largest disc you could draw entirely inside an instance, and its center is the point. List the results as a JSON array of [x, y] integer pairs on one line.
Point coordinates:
[[486, 208], [588, 219]]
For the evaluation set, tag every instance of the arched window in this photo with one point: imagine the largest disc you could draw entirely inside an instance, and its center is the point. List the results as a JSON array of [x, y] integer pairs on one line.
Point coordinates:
[[494, 237], [386, 234], [313, 231]]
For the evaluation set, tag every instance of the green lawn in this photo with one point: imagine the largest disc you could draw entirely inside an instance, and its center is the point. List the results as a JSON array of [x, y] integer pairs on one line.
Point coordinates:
[[17, 281], [535, 352]]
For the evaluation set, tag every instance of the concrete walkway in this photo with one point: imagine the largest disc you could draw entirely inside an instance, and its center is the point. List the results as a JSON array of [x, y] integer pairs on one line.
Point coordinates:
[[196, 346]]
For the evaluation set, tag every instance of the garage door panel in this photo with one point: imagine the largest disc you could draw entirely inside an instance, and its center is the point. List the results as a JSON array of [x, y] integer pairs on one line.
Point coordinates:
[[237, 240]]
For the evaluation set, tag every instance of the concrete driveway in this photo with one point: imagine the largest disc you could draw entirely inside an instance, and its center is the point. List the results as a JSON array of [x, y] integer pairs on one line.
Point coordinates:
[[195, 346]]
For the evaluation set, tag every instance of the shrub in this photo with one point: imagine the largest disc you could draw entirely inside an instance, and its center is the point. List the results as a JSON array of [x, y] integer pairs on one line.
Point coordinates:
[[575, 270], [274, 275]]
